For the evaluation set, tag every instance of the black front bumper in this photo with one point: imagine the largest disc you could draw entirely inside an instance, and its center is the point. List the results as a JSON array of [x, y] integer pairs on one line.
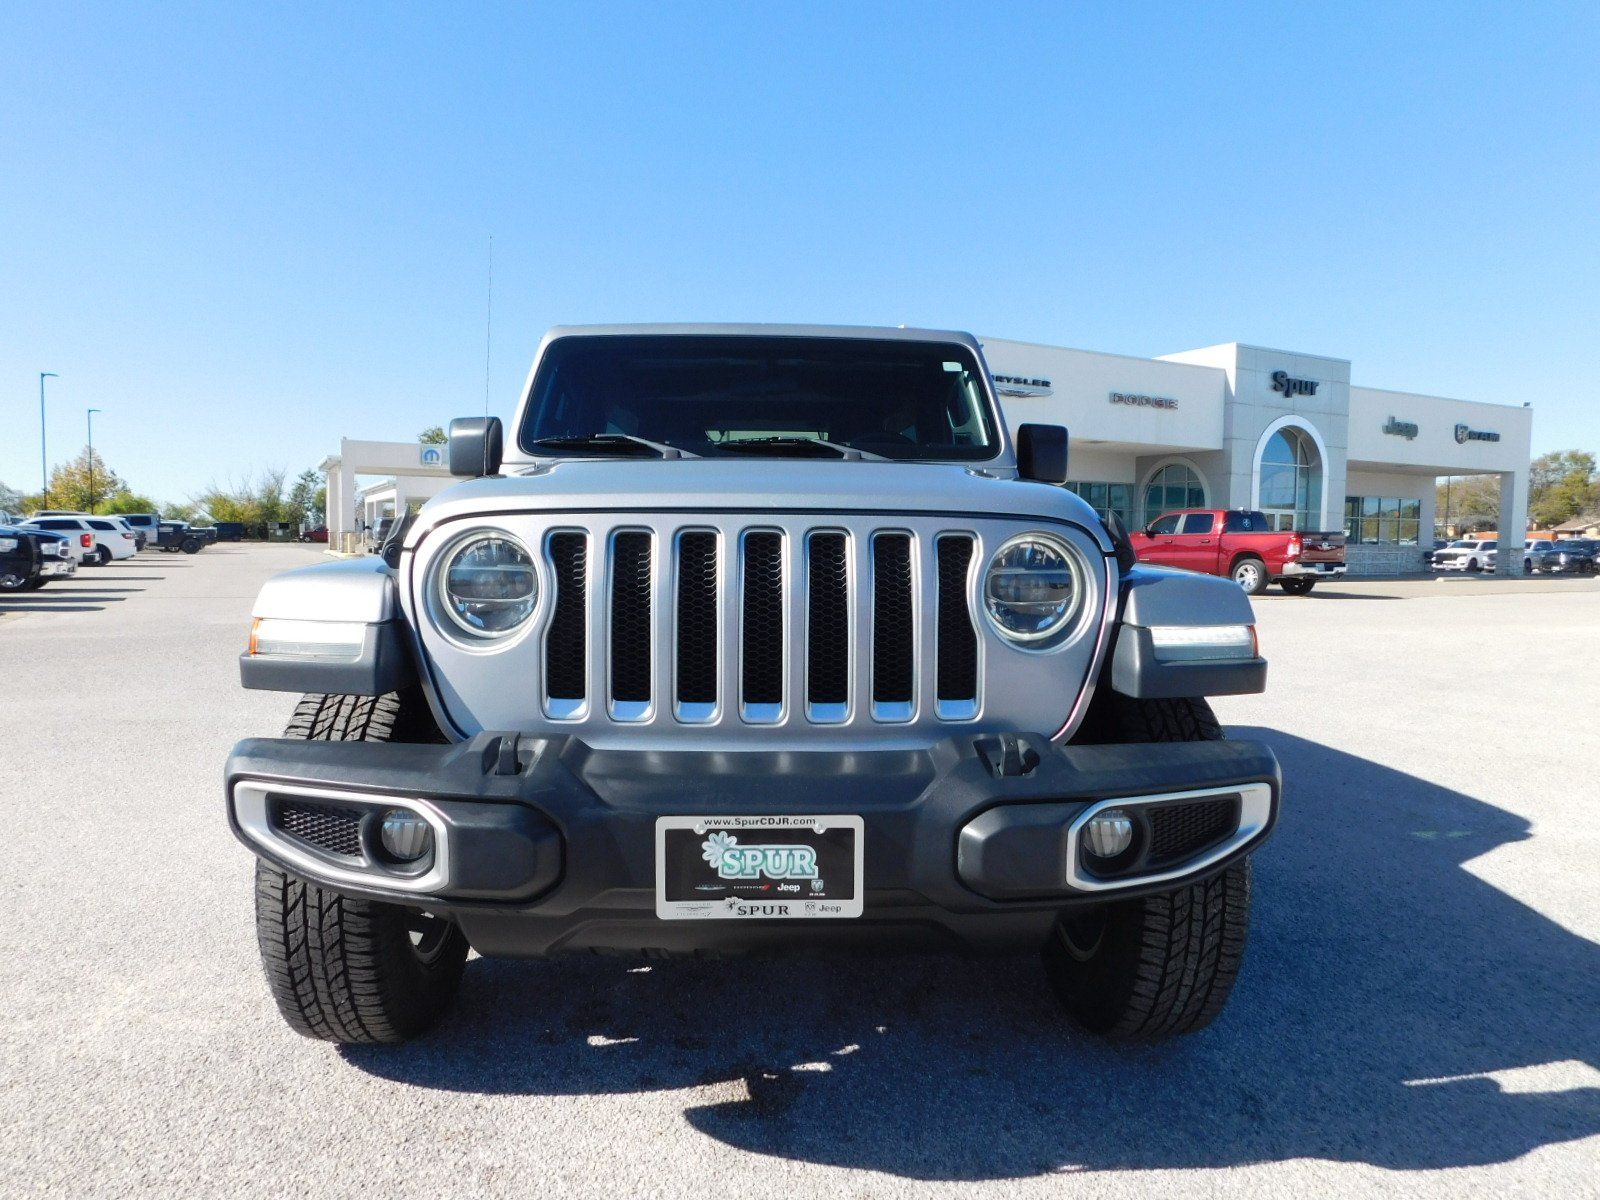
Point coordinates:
[[554, 850]]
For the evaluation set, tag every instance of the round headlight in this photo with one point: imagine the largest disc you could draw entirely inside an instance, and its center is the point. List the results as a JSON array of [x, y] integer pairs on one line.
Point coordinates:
[[487, 586], [1031, 589]]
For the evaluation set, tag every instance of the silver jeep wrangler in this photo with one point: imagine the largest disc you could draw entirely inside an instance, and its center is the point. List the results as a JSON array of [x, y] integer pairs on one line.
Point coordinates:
[[753, 638]]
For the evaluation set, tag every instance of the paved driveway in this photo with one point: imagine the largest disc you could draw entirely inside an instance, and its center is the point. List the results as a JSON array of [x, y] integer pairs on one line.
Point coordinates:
[[1420, 1011]]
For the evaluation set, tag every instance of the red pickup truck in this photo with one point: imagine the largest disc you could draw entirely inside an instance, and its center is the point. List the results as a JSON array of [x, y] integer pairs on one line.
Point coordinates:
[[1241, 544]]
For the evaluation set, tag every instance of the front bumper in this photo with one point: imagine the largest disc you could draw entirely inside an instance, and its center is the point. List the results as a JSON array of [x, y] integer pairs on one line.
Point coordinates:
[[1314, 570], [548, 845]]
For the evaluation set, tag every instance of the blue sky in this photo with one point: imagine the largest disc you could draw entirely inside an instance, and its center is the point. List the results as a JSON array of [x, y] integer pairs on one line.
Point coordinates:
[[243, 231]]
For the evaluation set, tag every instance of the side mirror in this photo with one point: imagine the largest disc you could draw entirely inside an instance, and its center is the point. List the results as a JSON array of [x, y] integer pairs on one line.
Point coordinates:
[[475, 446], [1042, 453]]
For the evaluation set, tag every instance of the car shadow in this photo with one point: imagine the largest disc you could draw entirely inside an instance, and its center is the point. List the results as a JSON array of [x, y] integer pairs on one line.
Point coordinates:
[[1385, 988], [6, 607]]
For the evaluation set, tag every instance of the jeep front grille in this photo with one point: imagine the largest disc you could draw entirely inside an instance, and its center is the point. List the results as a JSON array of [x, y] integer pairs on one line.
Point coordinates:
[[834, 640], [780, 629]]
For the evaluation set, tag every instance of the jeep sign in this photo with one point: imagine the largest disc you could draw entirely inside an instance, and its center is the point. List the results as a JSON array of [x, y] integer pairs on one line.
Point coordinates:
[[1405, 429]]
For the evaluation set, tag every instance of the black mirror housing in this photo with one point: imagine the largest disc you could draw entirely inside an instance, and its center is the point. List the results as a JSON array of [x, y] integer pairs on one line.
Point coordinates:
[[1042, 453], [476, 445]]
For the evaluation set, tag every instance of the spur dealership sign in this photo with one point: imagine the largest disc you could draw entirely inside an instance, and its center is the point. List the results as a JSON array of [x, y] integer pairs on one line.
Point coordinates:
[[1283, 382]]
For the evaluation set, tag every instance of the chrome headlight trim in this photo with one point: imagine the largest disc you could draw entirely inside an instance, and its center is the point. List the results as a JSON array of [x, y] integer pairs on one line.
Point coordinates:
[[446, 616], [1044, 638]]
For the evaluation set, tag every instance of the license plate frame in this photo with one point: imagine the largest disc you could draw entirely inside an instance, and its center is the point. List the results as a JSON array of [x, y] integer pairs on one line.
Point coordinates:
[[771, 855]]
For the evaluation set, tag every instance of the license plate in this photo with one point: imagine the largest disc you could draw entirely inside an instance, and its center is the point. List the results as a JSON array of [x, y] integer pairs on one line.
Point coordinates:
[[758, 867]]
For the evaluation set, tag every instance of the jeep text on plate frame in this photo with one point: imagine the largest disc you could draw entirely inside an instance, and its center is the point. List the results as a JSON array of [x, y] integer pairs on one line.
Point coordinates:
[[759, 867]]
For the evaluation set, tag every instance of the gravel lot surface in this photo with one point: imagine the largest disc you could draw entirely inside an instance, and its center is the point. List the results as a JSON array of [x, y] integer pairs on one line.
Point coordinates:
[[1419, 1014]]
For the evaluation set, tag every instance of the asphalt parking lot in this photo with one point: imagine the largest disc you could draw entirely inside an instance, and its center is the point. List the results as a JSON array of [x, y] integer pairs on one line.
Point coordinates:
[[1419, 1014]]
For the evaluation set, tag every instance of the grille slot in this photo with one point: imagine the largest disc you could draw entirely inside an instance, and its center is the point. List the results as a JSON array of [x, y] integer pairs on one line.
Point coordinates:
[[567, 642], [958, 640], [327, 827], [697, 624], [893, 636], [1181, 831], [631, 610], [828, 627], [761, 609]]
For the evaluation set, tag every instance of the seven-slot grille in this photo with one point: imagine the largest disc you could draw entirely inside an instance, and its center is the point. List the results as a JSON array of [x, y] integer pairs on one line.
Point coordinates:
[[823, 603]]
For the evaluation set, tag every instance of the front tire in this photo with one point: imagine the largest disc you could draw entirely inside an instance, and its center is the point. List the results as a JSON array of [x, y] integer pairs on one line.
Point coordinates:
[[345, 969], [1157, 966]]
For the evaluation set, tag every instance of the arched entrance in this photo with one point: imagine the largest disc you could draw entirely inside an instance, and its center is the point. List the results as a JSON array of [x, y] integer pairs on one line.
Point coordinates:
[[1172, 485], [1289, 478]]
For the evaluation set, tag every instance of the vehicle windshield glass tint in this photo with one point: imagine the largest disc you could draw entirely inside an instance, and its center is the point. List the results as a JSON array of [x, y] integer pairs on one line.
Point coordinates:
[[915, 400]]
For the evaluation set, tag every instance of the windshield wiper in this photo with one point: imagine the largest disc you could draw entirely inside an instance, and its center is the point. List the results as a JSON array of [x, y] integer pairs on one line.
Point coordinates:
[[620, 443], [803, 446]]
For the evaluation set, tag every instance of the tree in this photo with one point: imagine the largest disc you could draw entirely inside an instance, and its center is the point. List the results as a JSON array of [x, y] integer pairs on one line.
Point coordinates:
[[1561, 485], [253, 503], [129, 502], [433, 435], [10, 499], [308, 500], [1469, 503], [82, 484]]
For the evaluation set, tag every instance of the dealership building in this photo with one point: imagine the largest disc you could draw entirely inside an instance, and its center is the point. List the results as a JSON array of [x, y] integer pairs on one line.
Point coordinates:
[[1237, 426]]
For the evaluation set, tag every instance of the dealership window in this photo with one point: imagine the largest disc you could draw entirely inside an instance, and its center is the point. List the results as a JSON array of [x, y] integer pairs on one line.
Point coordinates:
[[1291, 480], [1382, 520], [1176, 485], [1107, 498]]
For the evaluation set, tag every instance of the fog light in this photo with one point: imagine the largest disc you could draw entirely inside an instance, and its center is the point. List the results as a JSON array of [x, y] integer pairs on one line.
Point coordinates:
[[406, 837], [1108, 833]]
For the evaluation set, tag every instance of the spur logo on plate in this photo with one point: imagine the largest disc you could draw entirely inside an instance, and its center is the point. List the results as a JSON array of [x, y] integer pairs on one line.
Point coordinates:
[[733, 861]]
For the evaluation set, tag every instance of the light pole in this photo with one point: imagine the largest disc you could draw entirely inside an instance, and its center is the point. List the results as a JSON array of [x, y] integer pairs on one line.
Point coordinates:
[[44, 471], [88, 418]]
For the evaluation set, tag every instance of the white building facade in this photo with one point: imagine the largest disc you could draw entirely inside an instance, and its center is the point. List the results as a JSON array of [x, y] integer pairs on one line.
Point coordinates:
[[1238, 426]]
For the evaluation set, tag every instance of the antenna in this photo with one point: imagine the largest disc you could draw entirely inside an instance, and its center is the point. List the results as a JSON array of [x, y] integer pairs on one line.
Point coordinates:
[[488, 328]]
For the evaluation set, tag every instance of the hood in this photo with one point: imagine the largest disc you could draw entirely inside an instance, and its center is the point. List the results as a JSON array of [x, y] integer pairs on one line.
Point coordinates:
[[758, 485]]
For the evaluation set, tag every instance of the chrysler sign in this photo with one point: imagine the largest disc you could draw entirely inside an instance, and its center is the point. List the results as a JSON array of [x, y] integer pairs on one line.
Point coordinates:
[[1016, 385]]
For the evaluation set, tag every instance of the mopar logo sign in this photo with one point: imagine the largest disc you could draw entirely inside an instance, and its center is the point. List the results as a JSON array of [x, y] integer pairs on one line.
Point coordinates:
[[1281, 382], [1016, 385], [1466, 434], [432, 456]]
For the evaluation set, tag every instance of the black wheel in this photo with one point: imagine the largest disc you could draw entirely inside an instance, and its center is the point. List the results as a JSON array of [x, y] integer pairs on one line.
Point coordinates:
[[99, 556], [1163, 965], [191, 545], [1251, 574], [1474, 565], [1297, 587], [343, 969], [15, 583]]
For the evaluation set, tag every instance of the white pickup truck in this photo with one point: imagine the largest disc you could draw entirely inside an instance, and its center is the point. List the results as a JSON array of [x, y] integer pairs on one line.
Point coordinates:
[[1471, 555]]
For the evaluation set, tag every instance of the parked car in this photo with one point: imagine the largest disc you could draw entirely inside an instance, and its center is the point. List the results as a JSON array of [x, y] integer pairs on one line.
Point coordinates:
[[143, 524], [19, 560], [1572, 556], [103, 541], [317, 533], [1241, 545], [1470, 554], [768, 689], [57, 559], [208, 534], [173, 536]]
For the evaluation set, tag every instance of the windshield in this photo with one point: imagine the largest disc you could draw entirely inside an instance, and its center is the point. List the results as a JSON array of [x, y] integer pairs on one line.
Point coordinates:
[[704, 394]]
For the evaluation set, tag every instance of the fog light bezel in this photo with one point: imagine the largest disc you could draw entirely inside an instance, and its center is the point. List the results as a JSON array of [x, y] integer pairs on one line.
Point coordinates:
[[386, 853], [251, 813]]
